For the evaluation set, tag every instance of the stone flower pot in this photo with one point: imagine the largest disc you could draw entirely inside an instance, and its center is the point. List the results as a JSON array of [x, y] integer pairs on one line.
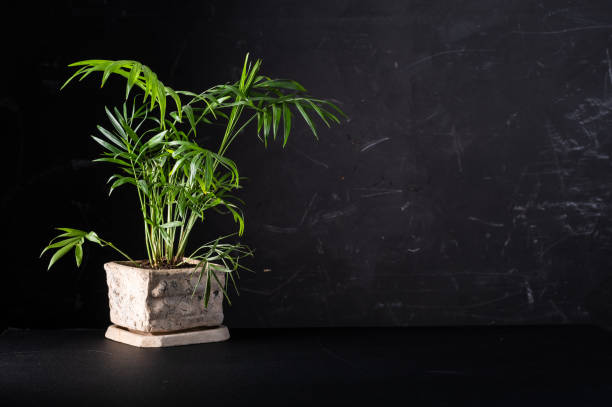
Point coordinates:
[[152, 308]]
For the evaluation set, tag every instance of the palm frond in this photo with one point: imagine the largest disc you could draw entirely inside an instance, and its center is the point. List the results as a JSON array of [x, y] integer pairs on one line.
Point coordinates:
[[136, 74]]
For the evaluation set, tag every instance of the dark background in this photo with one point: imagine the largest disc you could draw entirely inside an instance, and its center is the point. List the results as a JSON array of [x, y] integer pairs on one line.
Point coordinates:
[[471, 184]]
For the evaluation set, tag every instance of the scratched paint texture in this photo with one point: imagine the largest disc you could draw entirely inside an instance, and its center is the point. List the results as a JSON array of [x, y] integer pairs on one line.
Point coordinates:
[[471, 184]]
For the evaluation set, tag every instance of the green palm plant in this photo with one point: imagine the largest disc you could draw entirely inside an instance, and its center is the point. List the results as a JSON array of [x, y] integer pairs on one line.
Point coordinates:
[[154, 147]]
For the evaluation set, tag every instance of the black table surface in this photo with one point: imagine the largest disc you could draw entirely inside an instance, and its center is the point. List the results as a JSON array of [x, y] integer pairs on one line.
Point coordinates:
[[471, 366]]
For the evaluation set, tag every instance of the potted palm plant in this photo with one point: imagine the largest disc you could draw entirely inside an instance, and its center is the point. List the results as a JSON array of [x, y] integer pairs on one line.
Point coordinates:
[[174, 296]]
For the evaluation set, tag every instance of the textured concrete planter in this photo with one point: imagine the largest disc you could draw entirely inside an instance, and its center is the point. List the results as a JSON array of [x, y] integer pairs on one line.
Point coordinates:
[[157, 301]]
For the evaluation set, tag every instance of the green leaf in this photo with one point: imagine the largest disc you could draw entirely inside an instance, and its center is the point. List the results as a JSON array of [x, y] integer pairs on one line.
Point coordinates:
[[336, 108], [142, 185], [276, 116], [134, 74], [72, 232], [78, 254], [59, 244], [177, 101], [244, 71], [60, 253], [254, 71], [154, 89], [161, 100], [221, 286], [111, 68], [156, 139], [199, 277], [189, 113], [330, 115], [306, 118], [76, 240], [106, 145], [120, 181], [77, 73], [118, 127], [93, 237], [319, 112], [173, 224], [259, 122], [111, 137], [207, 288], [286, 122], [279, 83], [237, 218], [148, 79], [266, 125], [113, 161]]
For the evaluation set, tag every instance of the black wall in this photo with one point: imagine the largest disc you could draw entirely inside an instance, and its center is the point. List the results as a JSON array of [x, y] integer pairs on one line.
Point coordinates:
[[471, 184]]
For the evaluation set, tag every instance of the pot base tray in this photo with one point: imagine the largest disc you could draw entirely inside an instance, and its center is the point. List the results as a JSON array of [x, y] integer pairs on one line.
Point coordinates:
[[163, 339]]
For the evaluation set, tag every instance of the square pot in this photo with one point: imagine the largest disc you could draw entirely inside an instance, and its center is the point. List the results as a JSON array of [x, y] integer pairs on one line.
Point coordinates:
[[150, 300]]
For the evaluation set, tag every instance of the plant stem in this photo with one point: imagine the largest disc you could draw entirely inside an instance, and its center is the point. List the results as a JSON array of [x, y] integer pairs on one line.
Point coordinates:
[[106, 243], [180, 252]]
